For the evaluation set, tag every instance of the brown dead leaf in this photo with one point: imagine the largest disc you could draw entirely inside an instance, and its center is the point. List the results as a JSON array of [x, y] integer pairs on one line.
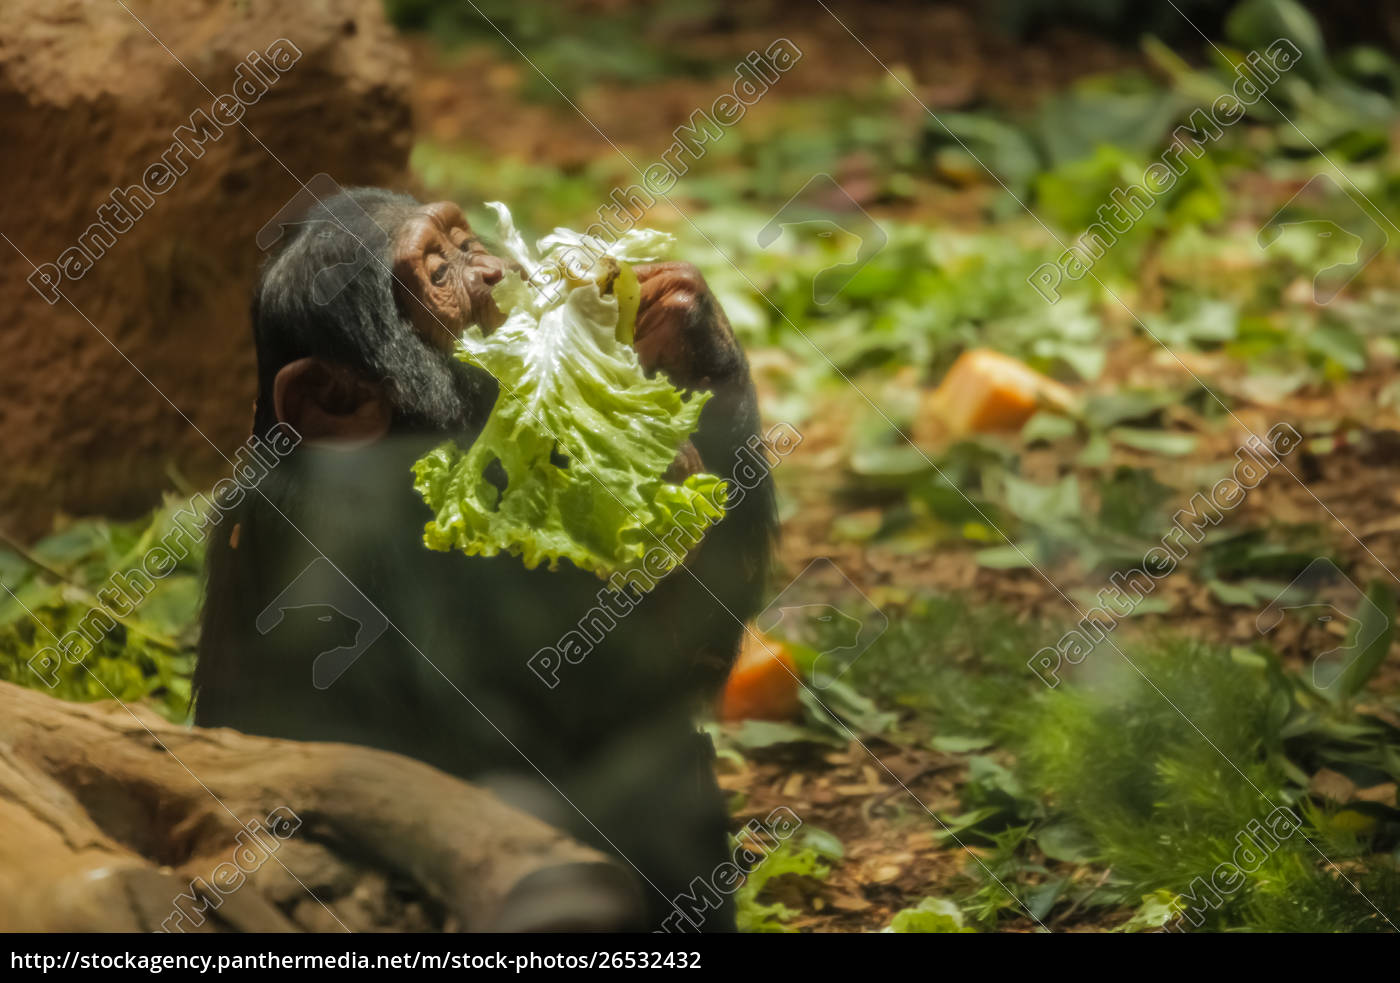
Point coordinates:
[[1384, 794], [886, 873], [849, 902], [861, 790], [1333, 785]]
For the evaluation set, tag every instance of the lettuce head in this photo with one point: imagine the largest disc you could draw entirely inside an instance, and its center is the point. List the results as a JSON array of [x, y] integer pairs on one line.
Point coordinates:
[[569, 463]]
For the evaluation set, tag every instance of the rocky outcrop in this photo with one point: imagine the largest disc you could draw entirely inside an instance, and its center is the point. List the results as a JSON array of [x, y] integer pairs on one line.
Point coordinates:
[[140, 159]]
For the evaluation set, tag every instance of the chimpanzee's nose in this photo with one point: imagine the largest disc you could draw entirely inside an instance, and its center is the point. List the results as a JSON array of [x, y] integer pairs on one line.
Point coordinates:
[[493, 268]]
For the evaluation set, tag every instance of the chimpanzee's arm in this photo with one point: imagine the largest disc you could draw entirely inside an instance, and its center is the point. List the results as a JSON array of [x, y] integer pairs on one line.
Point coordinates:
[[682, 331]]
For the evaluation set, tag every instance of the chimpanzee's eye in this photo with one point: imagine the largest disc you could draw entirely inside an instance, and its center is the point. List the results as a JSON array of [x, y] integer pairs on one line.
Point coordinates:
[[438, 274], [461, 237]]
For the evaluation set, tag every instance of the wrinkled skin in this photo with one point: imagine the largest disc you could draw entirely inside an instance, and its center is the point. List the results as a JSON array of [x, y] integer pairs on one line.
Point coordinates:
[[444, 274]]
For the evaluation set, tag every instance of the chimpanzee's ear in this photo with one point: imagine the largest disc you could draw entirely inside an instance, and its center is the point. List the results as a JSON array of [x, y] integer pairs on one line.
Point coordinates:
[[331, 403]]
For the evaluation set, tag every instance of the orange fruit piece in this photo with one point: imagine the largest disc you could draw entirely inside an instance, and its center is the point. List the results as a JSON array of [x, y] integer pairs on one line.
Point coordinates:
[[763, 683], [987, 391]]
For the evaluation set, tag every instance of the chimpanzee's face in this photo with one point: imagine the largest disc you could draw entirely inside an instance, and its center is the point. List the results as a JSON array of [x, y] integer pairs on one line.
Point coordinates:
[[443, 275], [378, 355]]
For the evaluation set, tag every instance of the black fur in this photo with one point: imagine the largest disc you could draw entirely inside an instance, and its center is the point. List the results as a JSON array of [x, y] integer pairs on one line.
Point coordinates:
[[448, 681]]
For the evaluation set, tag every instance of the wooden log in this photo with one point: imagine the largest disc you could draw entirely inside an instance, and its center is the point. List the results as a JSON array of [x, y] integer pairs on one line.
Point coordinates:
[[116, 820]]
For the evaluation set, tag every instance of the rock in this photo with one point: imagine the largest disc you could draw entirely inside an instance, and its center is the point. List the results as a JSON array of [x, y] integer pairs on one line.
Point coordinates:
[[150, 368]]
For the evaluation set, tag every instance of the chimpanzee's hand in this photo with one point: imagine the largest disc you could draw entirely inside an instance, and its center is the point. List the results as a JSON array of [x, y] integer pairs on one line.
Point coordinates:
[[682, 331]]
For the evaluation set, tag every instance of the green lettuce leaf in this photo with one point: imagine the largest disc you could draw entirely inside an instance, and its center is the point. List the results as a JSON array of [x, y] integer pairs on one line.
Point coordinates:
[[569, 463], [931, 915]]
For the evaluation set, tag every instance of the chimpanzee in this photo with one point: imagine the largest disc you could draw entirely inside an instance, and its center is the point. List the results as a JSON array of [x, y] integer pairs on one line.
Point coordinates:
[[364, 372]]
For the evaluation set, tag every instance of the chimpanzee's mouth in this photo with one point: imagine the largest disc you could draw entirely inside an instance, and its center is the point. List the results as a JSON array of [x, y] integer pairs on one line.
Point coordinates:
[[485, 313]]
